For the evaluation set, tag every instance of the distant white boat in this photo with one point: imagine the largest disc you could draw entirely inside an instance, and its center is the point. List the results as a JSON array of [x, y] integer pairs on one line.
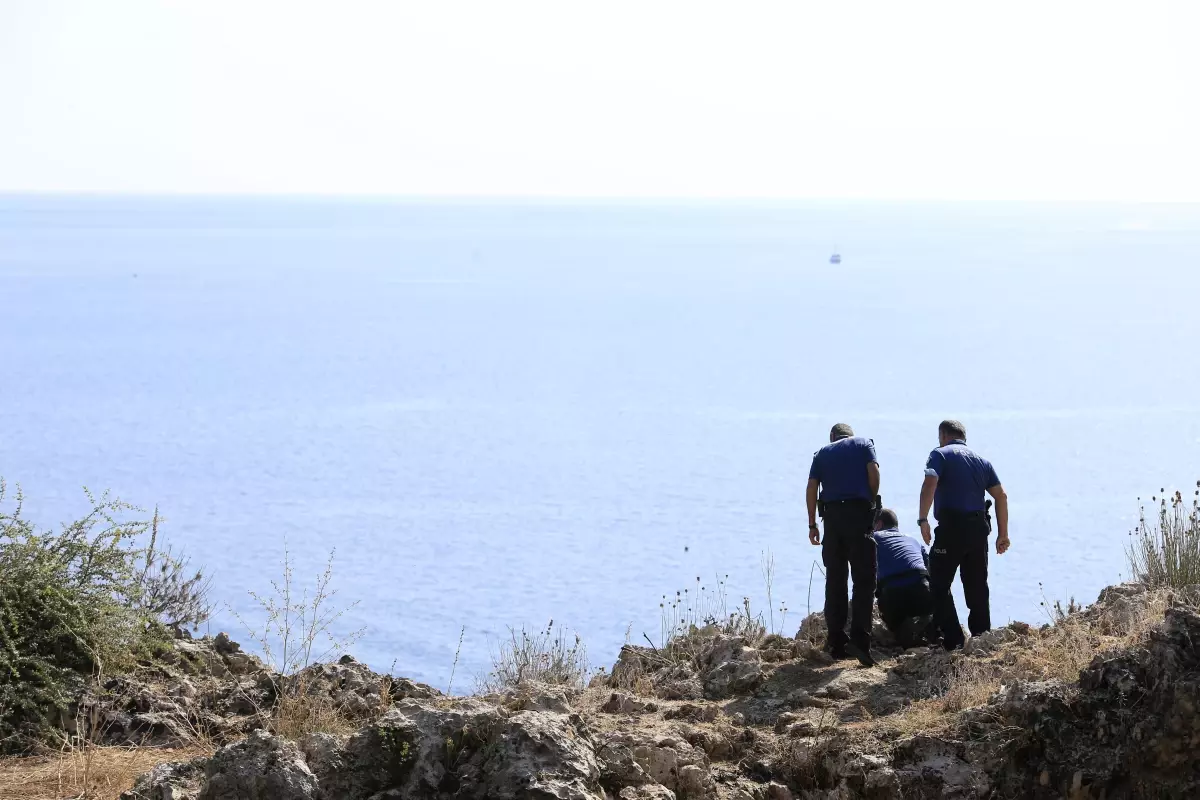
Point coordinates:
[[835, 259]]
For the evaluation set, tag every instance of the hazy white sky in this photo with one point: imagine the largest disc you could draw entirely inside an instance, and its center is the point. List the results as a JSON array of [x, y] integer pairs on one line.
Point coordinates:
[[1003, 100]]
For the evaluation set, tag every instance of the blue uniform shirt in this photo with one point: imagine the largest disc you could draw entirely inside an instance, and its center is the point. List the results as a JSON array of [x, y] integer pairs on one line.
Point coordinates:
[[897, 553], [841, 467], [963, 478]]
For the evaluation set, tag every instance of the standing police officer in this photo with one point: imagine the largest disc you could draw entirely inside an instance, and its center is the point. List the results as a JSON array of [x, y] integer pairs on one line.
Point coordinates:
[[955, 482], [846, 473]]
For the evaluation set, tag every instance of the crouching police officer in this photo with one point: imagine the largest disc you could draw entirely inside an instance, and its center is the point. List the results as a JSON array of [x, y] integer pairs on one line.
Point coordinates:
[[846, 474], [905, 602], [956, 479]]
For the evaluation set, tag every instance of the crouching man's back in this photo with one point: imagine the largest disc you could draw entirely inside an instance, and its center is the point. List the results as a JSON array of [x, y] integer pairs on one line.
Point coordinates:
[[905, 602]]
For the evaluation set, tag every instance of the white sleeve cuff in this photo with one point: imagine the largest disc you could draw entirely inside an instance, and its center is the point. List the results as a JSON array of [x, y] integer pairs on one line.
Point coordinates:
[[930, 473]]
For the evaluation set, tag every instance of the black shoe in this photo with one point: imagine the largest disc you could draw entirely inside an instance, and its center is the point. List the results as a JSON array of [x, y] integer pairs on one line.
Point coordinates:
[[839, 653], [863, 654], [912, 630]]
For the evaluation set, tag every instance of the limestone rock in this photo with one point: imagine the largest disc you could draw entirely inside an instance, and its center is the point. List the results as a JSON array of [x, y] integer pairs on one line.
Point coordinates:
[[623, 703], [412, 748], [813, 630], [636, 759], [169, 781], [833, 691], [692, 713], [777, 791], [729, 666], [693, 781], [355, 690], [619, 768], [802, 699], [787, 719], [649, 792], [810, 652], [322, 753], [261, 767], [541, 697], [539, 755], [930, 765], [989, 642]]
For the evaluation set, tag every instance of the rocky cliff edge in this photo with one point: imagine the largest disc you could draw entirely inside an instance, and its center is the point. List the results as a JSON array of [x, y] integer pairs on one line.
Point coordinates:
[[1101, 704]]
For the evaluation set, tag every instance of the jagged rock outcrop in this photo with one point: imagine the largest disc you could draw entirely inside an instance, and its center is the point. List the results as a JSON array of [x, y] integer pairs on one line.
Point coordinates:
[[1132, 722], [417, 749], [357, 692], [260, 767], [770, 719], [169, 781], [209, 688], [198, 688]]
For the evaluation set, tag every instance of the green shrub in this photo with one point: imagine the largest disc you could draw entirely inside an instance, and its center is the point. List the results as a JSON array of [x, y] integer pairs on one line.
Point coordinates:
[[1167, 554], [74, 605]]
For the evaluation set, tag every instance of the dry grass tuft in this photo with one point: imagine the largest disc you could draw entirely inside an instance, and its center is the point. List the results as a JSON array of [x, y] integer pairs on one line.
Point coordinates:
[[1055, 652], [802, 761], [91, 773], [1061, 650], [1167, 553], [924, 717], [695, 615], [303, 708], [548, 656], [297, 715], [631, 676]]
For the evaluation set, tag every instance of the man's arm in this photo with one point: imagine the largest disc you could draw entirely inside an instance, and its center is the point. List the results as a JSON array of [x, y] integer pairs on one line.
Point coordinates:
[[810, 499], [873, 479], [997, 493], [928, 488]]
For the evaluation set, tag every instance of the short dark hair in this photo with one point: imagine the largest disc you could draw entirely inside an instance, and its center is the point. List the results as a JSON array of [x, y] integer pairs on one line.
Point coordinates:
[[888, 519], [953, 428], [840, 431]]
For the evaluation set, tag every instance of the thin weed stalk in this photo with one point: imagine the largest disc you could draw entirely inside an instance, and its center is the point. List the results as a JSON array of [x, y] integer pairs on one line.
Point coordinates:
[[298, 622], [454, 666]]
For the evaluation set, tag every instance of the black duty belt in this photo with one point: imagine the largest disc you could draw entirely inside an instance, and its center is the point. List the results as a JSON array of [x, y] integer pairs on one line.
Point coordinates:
[[852, 501], [956, 515]]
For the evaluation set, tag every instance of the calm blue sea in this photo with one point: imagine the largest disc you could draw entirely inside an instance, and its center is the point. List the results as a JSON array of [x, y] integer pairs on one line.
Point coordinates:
[[500, 414]]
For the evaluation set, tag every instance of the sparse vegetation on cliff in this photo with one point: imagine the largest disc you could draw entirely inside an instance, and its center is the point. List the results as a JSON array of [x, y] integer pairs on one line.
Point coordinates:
[[723, 707], [89, 599], [1165, 553], [549, 656], [297, 621]]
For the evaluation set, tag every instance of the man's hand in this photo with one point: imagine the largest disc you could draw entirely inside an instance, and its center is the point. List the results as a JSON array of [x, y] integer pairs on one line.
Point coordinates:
[[814, 533], [928, 492], [998, 494]]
